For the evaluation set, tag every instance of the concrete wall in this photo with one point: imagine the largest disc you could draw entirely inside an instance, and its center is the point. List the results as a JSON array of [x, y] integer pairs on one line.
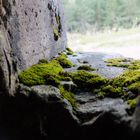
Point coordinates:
[[32, 25], [30, 30]]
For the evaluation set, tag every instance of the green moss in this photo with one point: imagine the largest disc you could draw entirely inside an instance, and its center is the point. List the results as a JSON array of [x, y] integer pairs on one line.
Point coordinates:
[[43, 61], [124, 62], [86, 67], [66, 79], [112, 92], [36, 74], [52, 79], [135, 65], [69, 96], [87, 80], [65, 76], [74, 55], [127, 78], [118, 62], [56, 33], [101, 95], [114, 60], [132, 103], [69, 51], [135, 87], [130, 80], [64, 62]]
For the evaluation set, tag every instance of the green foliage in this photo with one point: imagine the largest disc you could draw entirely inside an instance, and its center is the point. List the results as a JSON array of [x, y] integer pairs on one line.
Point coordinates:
[[64, 62], [86, 67]]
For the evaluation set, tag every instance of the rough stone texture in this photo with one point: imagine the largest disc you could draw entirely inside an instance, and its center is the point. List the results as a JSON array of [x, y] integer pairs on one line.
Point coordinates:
[[7, 72], [30, 30], [30, 27], [135, 124], [37, 113]]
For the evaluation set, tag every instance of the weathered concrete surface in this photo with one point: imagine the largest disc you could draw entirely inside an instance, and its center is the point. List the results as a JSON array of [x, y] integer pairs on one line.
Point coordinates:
[[30, 26], [30, 30]]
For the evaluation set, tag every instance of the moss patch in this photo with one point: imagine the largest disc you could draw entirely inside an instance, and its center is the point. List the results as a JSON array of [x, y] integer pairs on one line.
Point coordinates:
[[134, 65], [127, 78], [69, 96], [86, 67], [69, 51], [43, 61], [124, 62], [132, 103], [118, 62], [87, 80], [37, 74], [52, 73], [56, 33], [64, 62]]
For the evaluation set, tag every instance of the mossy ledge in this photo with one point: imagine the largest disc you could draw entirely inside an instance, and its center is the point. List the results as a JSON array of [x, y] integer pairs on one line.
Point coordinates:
[[124, 62], [129, 80], [49, 73], [52, 73], [86, 68]]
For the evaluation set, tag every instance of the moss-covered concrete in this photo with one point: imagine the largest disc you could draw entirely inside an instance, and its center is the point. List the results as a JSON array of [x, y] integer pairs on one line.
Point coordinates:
[[52, 73], [86, 67]]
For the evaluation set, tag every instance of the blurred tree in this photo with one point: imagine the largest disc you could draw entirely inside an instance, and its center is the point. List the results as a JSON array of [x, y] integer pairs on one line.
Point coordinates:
[[90, 15]]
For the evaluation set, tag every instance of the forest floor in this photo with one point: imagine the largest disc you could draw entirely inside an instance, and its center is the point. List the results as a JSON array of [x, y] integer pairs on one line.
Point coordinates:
[[123, 42]]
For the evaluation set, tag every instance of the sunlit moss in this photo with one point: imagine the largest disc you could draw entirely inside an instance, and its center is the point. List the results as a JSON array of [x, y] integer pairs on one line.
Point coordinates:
[[87, 80], [118, 62], [69, 96], [37, 74], [64, 62], [124, 62], [135, 65], [86, 67], [132, 103]]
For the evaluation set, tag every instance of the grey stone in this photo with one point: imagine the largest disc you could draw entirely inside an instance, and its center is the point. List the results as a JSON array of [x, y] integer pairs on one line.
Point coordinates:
[[30, 30], [135, 124]]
